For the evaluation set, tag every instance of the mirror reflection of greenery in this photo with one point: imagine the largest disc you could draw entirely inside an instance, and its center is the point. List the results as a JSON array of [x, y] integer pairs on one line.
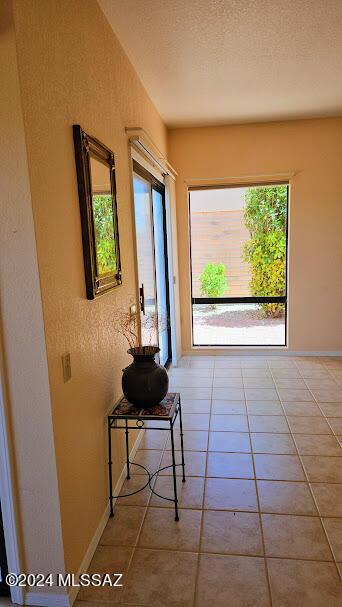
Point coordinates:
[[265, 217], [104, 233]]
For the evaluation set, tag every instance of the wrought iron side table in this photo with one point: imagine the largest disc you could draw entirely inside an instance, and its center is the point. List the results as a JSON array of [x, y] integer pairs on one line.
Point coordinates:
[[167, 411]]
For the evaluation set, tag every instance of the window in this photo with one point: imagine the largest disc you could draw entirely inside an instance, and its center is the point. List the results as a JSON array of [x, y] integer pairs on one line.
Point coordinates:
[[238, 241]]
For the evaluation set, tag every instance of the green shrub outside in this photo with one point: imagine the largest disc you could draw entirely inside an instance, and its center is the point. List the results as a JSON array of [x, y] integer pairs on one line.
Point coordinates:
[[265, 217], [213, 280]]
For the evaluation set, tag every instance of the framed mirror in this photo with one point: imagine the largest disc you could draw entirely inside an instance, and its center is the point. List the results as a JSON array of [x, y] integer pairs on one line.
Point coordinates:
[[97, 196]]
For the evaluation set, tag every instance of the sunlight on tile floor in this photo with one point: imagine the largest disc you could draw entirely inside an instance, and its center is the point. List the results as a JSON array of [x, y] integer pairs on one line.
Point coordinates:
[[261, 510]]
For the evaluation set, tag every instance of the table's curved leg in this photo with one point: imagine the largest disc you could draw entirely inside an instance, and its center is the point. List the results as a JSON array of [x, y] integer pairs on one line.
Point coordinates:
[[141, 488], [181, 439], [174, 472]]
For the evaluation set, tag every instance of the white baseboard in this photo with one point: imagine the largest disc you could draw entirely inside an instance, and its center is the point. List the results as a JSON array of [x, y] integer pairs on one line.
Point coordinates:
[[246, 351], [100, 528], [47, 599]]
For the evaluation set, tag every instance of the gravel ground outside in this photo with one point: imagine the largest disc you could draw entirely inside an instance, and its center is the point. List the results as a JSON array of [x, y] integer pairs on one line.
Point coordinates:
[[236, 324]]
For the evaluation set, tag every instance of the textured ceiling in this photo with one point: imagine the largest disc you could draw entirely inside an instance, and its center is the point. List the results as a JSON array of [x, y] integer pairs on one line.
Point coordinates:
[[224, 61]]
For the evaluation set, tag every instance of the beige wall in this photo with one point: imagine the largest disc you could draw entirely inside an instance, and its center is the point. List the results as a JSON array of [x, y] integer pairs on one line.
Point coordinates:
[[313, 150], [72, 70]]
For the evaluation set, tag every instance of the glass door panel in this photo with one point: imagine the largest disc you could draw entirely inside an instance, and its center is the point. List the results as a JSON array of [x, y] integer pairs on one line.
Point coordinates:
[[161, 273], [145, 254], [151, 242]]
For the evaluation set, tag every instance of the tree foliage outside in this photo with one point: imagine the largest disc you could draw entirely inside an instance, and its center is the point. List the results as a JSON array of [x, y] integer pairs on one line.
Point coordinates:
[[213, 280], [104, 233], [265, 217]]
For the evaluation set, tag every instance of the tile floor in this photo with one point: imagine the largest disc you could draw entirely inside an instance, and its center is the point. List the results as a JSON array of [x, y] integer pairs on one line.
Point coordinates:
[[261, 510]]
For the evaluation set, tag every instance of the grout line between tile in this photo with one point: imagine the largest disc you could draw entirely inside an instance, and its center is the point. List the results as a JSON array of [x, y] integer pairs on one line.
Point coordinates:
[[306, 515], [177, 550], [203, 502], [244, 478], [259, 514], [324, 415], [311, 491], [143, 518]]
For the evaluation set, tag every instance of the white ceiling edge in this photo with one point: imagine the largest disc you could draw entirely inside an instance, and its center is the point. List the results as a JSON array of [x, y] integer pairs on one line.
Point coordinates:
[[188, 124], [221, 62]]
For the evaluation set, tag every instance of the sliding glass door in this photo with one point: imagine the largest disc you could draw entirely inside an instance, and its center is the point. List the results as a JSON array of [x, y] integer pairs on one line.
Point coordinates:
[[151, 242], [238, 239], [159, 231], [145, 254]]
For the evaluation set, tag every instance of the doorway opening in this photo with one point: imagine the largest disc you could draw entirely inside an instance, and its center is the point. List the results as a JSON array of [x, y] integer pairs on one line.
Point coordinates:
[[238, 256], [151, 244], [4, 588]]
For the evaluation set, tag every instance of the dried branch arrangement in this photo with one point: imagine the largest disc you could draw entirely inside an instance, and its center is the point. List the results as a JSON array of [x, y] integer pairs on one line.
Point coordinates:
[[127, 325]]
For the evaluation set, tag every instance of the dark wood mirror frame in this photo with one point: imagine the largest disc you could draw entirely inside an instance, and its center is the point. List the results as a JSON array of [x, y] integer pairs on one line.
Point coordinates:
[[87, 147]]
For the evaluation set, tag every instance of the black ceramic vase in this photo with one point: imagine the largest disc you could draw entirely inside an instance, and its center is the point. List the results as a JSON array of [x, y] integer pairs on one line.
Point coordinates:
[[144, 382]]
